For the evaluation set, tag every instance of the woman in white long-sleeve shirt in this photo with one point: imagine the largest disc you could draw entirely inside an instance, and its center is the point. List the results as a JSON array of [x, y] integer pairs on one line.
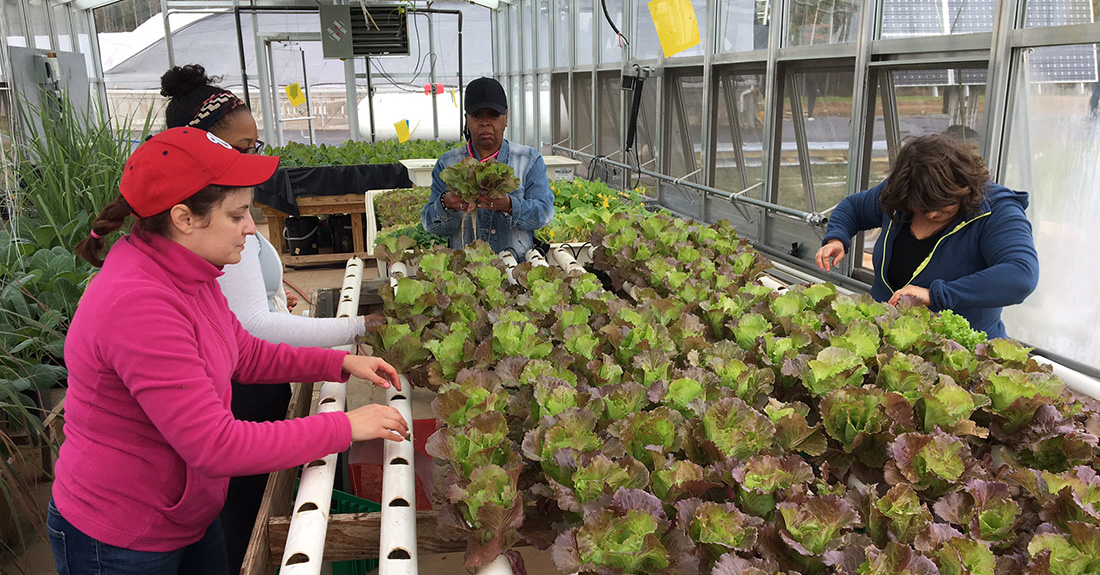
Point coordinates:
[[251, 287]]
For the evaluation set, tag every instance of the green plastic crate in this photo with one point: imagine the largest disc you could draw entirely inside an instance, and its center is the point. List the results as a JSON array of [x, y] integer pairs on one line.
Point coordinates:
[[348, 503]]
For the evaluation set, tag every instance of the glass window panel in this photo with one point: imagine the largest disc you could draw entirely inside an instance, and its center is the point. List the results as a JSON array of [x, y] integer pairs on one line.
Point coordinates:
[[911, 18], [560, 117], [583, 38], [609, 99], [514, 32], [832, 22], [645, 134], [562, 26], [542, 10], [528, 34], [646, 44], [611, 50], [737, 161], [63, 28], [13, 23], [529, 114], [40, 23], [582, 113], [517, 110], [826, 105], [743, 25], [544, 113], [1058, 12], [1052, 145], [685, 101], [700, 7], [81, 22]]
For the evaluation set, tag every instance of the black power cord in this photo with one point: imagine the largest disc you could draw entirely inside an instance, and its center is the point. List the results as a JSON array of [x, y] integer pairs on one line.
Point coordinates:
[[607, 15]]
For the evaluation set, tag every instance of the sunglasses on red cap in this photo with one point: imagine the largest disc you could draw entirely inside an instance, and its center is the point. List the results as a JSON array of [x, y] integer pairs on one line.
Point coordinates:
[[178, 163]]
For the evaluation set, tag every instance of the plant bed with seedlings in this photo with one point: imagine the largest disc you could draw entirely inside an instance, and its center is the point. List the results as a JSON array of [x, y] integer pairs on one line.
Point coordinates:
[[691, 420]]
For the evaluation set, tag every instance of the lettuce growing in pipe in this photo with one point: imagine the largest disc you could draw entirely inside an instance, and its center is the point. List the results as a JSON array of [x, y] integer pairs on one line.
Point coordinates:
[[954, 360], [453, 351], [730, 428], [605, 371], [860, 337], [833, 368], [733, 564], [897, 559], [1069, 496], [792, 432], [479, 392], [553, 396], [718, 528], [961, 556], [597, 475], [1016, 395], [413, 297], [678, 478], [393, 249], [622, 399], [483, 441], [490, 512], [813, 524], [854, 416], [727, 360], [658, 428], [955, 327], [750, 327], [949, 406], [763, 480], [1075, 553], [517, 338], [573, 430], [987, 510], [934, 464], [629, 536], [905, 374], [859, 306], [651, 366], [899, 515]]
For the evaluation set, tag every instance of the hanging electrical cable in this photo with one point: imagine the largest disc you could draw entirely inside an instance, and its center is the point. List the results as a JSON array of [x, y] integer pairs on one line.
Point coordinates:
[[607, 15]]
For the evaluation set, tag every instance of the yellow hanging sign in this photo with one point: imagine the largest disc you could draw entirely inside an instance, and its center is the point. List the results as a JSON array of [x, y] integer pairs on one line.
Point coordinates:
[[677, 28], [402, 128], [294, 93]]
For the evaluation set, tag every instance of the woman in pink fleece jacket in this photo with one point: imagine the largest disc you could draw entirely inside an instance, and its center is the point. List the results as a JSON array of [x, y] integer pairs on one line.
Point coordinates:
[[150, 439]]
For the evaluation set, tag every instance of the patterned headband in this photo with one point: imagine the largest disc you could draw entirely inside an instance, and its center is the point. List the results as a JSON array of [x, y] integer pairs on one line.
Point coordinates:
[[213, 109]]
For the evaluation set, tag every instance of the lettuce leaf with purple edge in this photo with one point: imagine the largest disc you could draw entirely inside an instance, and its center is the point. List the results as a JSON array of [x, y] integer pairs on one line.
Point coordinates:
[[792, 431], [718, 528], [960, 556], [597, 475], [949, 406], [553, 396], [748, 328], [515, 339], [995, 514], [905, 374], [572, 430], [457, 403], [482, 441], [813, 524], [614, 541], [658, 427], [1073, 553], [731, 428], [453, 350], [853, 416], [623, 399], [897, 559], [679, 478], [860, 337], [899, 513], [861, 306], [833, 368], [934, 463], [1015, 395], [581, 341], [909, 331], [489, 510], [539, 367]]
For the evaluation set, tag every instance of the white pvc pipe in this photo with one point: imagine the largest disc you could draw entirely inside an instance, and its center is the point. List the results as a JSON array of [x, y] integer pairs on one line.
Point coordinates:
[[565, 260], [510, 262], [500, 566], [397, 544], [305, 542], [1073, 379], [370, 221], [536, 258]]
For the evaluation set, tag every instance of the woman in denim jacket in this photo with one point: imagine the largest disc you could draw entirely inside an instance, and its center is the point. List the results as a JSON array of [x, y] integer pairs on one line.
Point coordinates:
[[507, 223]]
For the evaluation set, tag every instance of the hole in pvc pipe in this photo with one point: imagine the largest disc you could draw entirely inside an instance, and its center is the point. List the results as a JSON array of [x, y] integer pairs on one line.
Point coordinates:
[[316, 463], [399, 461], [399, 502], [350, 276], [399, 553], [298, 558], [308, 506], [398, 396], [328, 400]]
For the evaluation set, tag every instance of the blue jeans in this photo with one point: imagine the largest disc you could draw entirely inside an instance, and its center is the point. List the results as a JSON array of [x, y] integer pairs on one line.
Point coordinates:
[[77, 554]]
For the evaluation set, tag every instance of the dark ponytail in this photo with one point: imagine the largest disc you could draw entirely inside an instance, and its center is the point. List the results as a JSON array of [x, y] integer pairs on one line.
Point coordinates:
[[110, 219]]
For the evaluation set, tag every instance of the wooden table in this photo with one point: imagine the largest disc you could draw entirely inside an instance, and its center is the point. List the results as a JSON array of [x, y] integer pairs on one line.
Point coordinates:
[[354, 204]]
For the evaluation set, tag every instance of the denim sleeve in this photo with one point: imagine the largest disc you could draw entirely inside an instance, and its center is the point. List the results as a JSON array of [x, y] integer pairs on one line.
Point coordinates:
[[435, 218], [534, 208]]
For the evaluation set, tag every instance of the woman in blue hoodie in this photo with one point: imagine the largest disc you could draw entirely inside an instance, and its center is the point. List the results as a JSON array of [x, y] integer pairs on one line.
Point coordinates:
[[950, 237]]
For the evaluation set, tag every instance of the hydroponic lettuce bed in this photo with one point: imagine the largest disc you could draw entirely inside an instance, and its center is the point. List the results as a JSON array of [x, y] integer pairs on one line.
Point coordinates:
[[708, 424]]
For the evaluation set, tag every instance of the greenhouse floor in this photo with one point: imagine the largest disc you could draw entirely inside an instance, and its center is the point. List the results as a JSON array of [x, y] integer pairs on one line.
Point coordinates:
[[36, 559]]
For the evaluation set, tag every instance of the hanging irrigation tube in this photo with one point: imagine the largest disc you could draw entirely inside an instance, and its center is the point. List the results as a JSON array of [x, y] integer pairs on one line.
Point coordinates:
[[305, 542], [816, 219]]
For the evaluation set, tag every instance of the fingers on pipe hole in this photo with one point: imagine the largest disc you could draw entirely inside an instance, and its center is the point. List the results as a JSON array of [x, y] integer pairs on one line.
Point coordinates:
[[399, 502]]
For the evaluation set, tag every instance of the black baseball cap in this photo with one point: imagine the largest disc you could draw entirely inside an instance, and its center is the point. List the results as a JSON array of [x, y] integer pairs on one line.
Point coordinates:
[[486, 93]]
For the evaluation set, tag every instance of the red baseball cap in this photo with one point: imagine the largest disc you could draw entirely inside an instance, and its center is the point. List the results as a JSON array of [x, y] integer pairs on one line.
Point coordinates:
[[177, 163]]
